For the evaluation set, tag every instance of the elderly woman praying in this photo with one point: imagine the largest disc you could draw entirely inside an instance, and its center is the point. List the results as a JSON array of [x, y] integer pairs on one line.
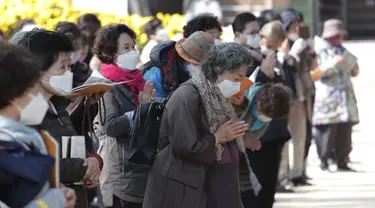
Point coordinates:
[[197, 165]]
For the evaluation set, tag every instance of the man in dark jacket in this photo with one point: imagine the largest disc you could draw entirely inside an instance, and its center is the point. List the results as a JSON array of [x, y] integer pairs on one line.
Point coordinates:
[[54, 49], [274, 137]]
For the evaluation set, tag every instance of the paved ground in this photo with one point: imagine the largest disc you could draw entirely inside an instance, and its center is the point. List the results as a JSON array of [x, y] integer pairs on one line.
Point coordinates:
[[346, 190]]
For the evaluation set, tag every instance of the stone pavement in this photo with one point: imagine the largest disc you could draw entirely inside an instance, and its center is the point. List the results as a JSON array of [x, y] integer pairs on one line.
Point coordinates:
[[346, 190]]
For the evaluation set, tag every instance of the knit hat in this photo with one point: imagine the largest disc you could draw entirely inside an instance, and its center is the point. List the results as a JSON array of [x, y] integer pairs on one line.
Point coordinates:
[[195, 48], [17, 37], [288, 17], [332, 28]]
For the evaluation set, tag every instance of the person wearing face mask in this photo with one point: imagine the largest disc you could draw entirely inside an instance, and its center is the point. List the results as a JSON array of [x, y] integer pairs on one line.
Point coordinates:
[[267, 102], [22, 147], [197, 163], [246, 31], [155, 34], [335, 107], [197, 43], [81, 73], [276, 134], [80, 70], [178, 61], [298, 78], [122, 183], [205, 22], [54, 50], [89, 25], [84, 108], [303, 51]]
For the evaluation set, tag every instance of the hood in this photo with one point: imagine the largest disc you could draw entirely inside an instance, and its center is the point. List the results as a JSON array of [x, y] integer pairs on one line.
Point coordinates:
[[11, 130], [157, 53]]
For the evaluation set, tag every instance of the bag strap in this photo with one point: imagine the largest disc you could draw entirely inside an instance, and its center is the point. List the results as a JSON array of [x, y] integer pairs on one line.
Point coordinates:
[[86, 115]]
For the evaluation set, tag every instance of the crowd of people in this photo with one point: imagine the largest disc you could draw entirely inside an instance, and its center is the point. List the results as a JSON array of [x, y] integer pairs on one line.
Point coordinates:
[[218, 146]]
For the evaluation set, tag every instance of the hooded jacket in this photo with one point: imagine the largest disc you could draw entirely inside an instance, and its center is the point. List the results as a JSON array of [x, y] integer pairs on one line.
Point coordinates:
[[166, 69], [22, 149]]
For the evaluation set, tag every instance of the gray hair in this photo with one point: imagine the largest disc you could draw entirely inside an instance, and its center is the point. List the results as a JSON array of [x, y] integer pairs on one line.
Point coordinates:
[[273, 30], [225, 57]]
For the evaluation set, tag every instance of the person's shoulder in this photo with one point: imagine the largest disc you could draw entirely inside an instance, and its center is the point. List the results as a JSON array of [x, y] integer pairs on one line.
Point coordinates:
[[186, 93]]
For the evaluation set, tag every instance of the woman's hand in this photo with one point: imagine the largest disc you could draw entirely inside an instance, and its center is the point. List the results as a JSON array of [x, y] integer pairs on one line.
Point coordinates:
[[148, 92], [237, 99], [251, 143], [268, 65], [91, 177], [355, 71], [70, 196], [338, 60], [230, 131], [93, 98]]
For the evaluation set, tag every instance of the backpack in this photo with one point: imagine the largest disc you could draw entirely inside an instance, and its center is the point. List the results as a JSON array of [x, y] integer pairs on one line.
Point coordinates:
[[144, 133]]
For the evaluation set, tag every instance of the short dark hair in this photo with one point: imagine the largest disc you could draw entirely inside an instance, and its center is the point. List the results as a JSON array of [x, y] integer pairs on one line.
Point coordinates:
[[107, 41], [267, 16], [201, 22], [241, 20], [274, 100], [151, 26], [69, 28], [89, 22], [22, 23], [46, 45], [19, 71]]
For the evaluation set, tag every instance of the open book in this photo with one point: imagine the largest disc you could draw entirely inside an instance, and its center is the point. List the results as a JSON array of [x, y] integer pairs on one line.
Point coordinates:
[[246, 83], [350, 61], [53, 148], [96, 83]]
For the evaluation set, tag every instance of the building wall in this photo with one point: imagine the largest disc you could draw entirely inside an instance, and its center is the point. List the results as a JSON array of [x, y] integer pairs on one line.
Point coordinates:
[[233, 7]]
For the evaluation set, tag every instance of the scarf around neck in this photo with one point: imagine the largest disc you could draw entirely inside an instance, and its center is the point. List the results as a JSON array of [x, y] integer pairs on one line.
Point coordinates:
[[217, 108], [116, 74]]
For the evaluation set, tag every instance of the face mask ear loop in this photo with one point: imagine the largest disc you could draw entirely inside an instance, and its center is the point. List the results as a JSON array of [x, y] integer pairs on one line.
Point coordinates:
[[18, 107]]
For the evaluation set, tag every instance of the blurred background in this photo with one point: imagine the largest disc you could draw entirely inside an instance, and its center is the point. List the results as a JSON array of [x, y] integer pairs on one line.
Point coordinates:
[[174, 13]]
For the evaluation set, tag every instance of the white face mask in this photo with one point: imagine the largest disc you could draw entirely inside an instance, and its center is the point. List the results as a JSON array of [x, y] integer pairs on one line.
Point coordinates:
[[62, 83], [229, 88], [264, 118], [253, 40], [33, 113], [293, 36], [265, 50], [217, 42], [193, 70], [162, 35], [128, 61], [75, 56]]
